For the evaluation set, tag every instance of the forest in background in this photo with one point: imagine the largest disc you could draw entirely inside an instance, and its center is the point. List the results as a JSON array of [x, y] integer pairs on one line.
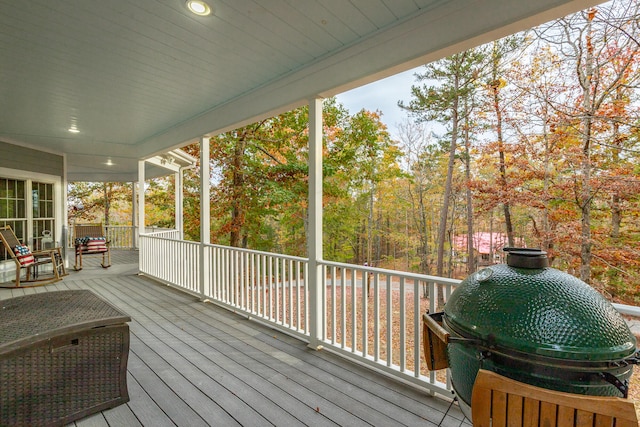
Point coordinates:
[[536, 136]]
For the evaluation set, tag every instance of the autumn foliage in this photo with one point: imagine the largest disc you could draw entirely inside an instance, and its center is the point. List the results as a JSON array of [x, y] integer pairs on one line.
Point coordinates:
[[536, 136]]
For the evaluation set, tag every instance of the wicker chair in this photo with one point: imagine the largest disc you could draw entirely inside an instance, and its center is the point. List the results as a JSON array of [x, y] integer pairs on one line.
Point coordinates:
[[90, 239], [30, 261], [501, 401]]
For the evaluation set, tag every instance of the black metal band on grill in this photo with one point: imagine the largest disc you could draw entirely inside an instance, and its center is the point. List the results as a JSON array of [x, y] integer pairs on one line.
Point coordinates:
[[587, 371]]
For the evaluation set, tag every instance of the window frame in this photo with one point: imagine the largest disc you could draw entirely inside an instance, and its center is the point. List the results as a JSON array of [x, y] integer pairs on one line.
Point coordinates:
[[58, 203]]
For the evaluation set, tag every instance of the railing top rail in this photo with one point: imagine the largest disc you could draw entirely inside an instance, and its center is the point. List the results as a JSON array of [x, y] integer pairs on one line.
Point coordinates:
[[630, 310], [408, 275], [165, 235], [158, 232], [159, 235], [252, 251]]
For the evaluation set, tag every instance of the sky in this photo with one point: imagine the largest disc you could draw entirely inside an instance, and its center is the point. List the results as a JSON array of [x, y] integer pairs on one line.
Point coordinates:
[[382, 95]]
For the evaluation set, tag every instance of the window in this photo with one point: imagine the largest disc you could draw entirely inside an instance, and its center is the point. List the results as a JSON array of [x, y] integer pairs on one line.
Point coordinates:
[[13, 208], [43, 214], [31, 218]]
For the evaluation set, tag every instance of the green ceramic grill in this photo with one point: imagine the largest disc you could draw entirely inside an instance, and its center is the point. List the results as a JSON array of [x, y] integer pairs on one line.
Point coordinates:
[[536, 325]]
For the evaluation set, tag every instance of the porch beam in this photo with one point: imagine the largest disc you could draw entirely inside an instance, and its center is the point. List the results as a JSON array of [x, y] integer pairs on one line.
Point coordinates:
[[314, 241]]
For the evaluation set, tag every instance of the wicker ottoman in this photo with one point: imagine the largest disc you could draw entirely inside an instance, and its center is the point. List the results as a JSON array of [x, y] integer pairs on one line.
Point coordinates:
[[63, 356]]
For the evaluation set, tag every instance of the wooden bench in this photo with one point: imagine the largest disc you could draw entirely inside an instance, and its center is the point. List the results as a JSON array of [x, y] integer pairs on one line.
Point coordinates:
[[90, 239]]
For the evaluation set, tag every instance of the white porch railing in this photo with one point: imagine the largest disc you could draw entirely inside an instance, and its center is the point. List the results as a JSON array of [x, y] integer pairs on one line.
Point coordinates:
[[374, 316], [381, 330], [176, 262], [124, 236], [370, 315], [263, 285], [119, 236]]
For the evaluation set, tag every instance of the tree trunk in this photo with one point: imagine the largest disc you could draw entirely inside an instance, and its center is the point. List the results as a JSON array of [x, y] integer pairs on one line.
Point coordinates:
[[495, 90], [424, 234], [585, 246], [107, 202], [585, 194], [616, 208], [442, 226], [471, 259], [451, 226], [387, 243], [370, 227], [237, 214], [545, 234]]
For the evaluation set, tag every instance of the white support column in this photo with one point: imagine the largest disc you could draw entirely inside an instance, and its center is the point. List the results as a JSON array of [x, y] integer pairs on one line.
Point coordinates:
[[64, 210], [314, 241], [205, 213], [179, 207], [134, 235], [141, 179]]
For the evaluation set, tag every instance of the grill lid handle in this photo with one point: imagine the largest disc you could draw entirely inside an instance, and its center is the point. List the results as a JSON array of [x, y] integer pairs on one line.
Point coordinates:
[[526, 257]]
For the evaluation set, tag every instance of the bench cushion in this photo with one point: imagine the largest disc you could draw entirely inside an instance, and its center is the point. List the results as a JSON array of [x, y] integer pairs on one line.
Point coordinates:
[[91, 244], [96, 244]]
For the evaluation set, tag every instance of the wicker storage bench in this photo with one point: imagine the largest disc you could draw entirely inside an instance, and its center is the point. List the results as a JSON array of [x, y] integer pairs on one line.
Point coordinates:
[[63, 356]]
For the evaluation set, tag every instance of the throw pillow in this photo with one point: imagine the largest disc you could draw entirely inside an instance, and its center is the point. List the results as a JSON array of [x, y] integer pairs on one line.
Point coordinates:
[[24, 255]]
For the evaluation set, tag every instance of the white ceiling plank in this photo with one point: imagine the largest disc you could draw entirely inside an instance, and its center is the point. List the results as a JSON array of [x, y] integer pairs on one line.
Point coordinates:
[[140, 77], [350, 15], [399, 8], [307, 25], [327, 19]]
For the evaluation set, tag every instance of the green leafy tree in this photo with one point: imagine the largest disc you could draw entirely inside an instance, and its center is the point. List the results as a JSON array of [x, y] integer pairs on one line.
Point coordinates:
[[446, 83], [104, 202]]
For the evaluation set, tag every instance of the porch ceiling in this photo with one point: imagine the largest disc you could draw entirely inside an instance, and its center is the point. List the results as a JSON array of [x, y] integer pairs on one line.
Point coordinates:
[[138, 78]]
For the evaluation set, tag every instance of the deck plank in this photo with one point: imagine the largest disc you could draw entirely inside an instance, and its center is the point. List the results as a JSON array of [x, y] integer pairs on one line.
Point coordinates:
[[164, 395], [214, 354], [144, 407], [372, 389], [123, 415], [192, 363], [95, 420], [361, 384], [288, 374]]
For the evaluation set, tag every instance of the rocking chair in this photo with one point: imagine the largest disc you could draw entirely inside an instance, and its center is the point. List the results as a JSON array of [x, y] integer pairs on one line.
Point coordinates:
[[90, 239], [30, 261]]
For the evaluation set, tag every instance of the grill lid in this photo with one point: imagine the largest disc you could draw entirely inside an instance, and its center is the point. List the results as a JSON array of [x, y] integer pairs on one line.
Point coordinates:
[[540, 311], [526, 258]]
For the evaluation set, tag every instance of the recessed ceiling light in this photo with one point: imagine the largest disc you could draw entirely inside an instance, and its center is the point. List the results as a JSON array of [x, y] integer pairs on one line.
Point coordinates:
[[74, 129], [109, 163], [199, 7]]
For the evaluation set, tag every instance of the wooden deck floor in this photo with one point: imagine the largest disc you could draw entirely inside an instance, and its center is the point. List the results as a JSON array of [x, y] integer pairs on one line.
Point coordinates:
[[194, 364]]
